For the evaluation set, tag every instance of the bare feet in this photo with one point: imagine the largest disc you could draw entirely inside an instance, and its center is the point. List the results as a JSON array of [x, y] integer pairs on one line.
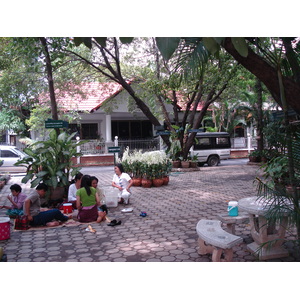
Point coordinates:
[[101, 216], [53, 224]]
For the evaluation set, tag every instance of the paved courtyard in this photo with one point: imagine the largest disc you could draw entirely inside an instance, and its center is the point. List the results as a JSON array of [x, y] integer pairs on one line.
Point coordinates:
[[167, 234]]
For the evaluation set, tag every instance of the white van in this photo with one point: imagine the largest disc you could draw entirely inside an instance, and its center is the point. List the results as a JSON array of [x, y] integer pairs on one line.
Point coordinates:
[[211, 147], [10, 155]]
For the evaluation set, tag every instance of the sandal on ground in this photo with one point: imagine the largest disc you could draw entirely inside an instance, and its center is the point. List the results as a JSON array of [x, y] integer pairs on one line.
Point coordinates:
[[114, 223]]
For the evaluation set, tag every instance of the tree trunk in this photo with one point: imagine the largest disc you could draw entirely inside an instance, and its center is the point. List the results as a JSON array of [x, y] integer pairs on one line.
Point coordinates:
[[268, 75], [50, 79], [144, 108], [258, 106]]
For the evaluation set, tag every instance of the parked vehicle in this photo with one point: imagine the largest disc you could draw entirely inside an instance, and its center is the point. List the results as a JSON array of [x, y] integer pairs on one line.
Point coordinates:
[[211, 147], [10, 155]]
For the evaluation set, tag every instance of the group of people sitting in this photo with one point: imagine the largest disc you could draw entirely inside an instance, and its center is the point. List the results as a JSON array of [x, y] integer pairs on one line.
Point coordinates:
[[84, 195]]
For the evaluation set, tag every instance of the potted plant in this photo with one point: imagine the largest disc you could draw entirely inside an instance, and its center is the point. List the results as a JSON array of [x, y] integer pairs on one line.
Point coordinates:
[[276, 172], [255, 156], [149, 168], [132, 165], [50, 162], [167, 167], [157, 171], [185, 163], [146, 181], [175, 149], [194, 161]]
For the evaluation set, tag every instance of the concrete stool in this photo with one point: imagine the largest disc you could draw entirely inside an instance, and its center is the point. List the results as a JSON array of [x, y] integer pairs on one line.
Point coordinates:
[[230, 222]]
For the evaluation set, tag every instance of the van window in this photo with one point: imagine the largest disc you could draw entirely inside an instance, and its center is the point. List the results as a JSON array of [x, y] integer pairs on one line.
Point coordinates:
[[8, 153], [223, 142], [203, 143]]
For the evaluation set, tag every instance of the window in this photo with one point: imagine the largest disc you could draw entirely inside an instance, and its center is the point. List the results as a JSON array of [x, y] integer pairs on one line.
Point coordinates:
[[222, 141], [86, 131], [203, 143], [131, 129], [89, 131], [8, 153]]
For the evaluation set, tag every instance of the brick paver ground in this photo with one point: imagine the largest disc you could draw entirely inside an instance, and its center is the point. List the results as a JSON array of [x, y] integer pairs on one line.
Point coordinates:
[[167, 234]]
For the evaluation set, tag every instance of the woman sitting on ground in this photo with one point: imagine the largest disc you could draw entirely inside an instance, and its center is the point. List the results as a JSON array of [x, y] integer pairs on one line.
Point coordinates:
[[87, 201], [76, 184], [123, 182], [94, 183], [17, 199]]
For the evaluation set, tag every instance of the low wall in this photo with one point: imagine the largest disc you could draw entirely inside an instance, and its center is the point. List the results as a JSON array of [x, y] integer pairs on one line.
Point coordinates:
[[239, 153], [94, 160]]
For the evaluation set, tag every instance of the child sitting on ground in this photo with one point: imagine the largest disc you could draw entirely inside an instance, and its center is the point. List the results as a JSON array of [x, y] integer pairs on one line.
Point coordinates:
[[100, 193]]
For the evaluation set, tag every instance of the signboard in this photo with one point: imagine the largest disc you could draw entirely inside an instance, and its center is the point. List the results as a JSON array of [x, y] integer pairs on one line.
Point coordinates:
[[196, 130], [113, 149], [56, 124], [163, 132], [159, 128]]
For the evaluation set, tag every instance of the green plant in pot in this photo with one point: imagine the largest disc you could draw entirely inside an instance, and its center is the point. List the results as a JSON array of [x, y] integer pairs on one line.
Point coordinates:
[[50, 162], [194, 161], [175, 149], [276, 172], [255, 156]]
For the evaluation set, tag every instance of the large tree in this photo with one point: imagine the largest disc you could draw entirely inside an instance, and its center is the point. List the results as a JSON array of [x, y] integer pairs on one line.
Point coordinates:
[[168, 82], [31, 67], [264, 64]]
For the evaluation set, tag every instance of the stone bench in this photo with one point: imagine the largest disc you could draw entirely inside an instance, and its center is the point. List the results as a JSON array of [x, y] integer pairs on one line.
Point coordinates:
[[213, 239]]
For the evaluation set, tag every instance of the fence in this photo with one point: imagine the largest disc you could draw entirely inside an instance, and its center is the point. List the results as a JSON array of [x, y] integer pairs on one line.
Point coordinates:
[[96, 147], [242, 143], [141, 144], [93, 147]]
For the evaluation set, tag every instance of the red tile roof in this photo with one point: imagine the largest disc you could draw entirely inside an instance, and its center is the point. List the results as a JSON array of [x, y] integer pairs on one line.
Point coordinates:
[[90, 96], [87, 96]]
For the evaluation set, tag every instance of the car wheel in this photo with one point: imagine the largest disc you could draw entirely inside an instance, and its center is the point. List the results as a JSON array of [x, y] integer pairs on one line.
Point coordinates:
[[213, 161]]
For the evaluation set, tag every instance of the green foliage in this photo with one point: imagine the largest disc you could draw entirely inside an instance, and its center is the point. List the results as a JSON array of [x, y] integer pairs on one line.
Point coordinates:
[[281, 178], [167, 45], [276, 171], [50, 161], [11, 120], [240, 45], [211, 44], [175, 149], [255, 153]]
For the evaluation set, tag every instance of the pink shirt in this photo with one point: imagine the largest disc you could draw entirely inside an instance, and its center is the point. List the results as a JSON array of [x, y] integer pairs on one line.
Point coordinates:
[[19, 200]]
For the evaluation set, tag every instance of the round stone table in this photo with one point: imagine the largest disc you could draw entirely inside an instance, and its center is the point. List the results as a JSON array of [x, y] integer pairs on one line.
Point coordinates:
[[263, 232]]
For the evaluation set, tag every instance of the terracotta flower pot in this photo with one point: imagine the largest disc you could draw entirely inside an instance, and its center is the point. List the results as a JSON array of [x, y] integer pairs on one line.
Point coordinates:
[[158, 182], [176, 163], [185, 164], [146, 183], [136, 181], [166, 180], [193, 164]]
